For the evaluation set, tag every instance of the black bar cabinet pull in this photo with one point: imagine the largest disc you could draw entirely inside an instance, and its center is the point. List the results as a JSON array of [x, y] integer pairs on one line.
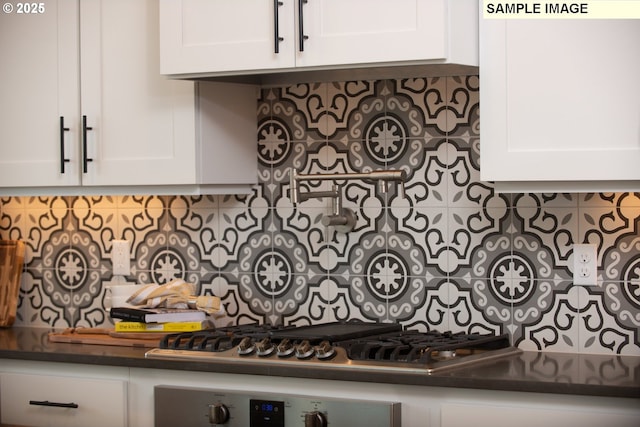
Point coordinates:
[[54, 404], [63, 159], [301, 35], [276, 19], [85, 159]]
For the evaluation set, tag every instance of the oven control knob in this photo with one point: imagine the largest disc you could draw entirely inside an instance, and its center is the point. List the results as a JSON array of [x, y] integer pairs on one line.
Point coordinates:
[[304, 350], [218, 413], [246, 346], [315, 419], [325, 351]]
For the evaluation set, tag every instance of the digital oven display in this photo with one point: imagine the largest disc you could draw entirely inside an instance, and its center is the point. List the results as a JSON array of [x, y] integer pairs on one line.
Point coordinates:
[[266, 413]]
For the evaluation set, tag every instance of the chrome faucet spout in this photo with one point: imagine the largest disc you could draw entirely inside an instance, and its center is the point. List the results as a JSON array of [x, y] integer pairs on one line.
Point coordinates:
[[301, 197]]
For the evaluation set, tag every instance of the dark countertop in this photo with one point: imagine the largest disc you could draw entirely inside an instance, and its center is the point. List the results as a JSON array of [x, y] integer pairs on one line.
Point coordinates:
[[561, 373]]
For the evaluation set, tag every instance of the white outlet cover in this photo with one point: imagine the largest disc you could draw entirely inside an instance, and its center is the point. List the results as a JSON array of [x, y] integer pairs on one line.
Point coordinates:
[[585, 265], [120, 258]]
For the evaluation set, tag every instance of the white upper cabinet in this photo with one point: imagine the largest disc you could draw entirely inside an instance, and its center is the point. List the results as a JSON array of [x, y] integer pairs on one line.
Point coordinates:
[[199, 36], [217, 37], [372, 31], [85, 108], [39, 92], [139, 120], [560, 104]]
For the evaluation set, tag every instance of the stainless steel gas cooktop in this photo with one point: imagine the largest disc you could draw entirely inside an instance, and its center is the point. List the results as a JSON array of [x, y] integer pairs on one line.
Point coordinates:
[[370, 347]]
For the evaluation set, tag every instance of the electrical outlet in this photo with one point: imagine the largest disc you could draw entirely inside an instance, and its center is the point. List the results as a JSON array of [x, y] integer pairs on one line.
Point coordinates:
[[120, 257], [585, 265]]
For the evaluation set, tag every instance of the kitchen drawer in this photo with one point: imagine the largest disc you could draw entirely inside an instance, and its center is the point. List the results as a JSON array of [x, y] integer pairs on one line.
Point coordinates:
[[100, 402]]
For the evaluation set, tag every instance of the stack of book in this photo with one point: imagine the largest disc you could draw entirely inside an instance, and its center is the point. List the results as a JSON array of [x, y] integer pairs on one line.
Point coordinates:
[[129, 319]]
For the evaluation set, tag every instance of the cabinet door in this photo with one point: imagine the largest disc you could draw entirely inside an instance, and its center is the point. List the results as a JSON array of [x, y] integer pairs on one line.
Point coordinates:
[[563, 105], [218, 35], [496, 415], [38, 85], [372, 31], [143, 125], [31, 400]]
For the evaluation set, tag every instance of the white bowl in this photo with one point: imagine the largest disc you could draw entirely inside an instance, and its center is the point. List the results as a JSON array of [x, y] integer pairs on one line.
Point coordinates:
[[117, 295]]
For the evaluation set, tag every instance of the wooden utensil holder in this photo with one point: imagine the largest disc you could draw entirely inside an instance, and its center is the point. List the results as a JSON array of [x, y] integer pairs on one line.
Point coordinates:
[[11, 264]]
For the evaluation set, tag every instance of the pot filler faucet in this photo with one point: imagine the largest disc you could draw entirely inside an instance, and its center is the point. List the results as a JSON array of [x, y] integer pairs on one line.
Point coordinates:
[[344, 219]]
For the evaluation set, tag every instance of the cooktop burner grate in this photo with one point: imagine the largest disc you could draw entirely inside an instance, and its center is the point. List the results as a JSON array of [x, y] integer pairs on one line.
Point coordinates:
[[415, 346], [399, 346], [215, 339]]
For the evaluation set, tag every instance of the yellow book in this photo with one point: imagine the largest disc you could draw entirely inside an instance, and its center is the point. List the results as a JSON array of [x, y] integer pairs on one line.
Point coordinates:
[[124, 326]]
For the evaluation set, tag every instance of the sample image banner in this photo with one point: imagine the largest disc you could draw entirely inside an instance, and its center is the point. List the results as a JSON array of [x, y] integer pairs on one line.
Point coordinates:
[[589, 9]]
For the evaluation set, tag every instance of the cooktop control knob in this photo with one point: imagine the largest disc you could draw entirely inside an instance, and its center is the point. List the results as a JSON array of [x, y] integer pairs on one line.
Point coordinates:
[[246, 346], [304, 350], [285, 348], [315, 419], [265, 347], [325, 351], [218, 413]]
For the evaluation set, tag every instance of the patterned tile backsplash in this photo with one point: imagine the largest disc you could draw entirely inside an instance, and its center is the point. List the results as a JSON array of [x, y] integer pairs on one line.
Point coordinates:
[[450, 255]]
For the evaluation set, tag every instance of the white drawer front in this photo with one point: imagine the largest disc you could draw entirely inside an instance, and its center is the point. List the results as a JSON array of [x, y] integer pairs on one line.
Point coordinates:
[[100, 402]]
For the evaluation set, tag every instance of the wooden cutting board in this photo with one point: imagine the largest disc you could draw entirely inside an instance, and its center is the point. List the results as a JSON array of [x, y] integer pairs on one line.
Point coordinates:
[[11, 263], [103, 337]]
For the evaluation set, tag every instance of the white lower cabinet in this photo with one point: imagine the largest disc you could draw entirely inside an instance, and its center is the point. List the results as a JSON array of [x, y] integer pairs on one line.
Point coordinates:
[[420, 406], [60, 395], [124, 397], [524, 414]]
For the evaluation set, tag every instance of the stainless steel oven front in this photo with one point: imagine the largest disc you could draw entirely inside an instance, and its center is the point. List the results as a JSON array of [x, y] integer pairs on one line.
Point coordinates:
[[186, 406]]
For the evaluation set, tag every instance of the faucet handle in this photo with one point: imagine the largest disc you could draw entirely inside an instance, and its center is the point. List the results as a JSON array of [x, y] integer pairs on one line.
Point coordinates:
[[293, 186], [401, 192], [343, 222]]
